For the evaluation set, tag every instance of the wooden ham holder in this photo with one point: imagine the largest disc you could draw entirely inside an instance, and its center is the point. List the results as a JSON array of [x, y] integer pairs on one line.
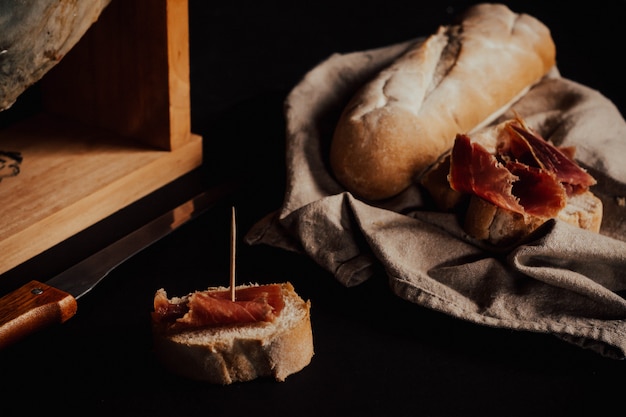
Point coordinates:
[[114, 126]]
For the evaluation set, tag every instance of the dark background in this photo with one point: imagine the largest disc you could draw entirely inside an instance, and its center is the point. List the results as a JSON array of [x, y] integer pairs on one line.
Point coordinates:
[[376, 355]]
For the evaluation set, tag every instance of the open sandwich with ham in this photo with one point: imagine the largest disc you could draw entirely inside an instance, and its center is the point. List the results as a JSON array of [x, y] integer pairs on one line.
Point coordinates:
[[206, 335], [506, 181]]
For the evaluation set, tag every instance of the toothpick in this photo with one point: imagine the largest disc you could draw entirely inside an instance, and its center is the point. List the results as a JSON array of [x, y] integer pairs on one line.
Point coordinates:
[[233, 240]]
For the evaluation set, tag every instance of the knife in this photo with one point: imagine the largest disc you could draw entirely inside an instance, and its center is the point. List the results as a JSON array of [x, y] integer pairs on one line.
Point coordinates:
[[37, 305]]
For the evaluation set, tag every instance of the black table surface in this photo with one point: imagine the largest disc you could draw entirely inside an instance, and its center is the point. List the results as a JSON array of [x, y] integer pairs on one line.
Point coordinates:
[[375, 354]]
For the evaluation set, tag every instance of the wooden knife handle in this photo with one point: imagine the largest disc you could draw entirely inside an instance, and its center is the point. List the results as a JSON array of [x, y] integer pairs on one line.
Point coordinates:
[[32, 307]]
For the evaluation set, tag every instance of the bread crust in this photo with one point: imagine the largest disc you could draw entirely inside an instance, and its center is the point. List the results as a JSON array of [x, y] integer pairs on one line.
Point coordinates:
[[225, 355], [455, 81], [498, 226]]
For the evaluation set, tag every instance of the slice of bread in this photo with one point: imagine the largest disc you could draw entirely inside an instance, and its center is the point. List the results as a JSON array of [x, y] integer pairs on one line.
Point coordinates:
[[583, 210], [499, 226], [238, 353]]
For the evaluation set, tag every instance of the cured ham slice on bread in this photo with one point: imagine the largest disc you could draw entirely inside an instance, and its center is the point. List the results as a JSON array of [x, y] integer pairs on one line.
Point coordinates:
[[207, 336], [510, 182], [215, 308]]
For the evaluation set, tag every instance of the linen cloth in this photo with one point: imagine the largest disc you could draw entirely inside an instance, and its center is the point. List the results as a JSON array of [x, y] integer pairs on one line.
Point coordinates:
[[563, 280]]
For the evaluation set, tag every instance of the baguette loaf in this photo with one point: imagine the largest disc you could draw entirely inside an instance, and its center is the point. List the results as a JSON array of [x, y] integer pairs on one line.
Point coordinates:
[[240, 352], [457, 80]]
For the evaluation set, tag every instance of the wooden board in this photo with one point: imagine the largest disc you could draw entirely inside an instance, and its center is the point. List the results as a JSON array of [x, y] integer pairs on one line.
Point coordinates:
[[72, 176], [114, 126]]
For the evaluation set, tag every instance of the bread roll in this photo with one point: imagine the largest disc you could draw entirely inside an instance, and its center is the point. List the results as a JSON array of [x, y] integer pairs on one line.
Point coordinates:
[[231, 353], [455, 81]]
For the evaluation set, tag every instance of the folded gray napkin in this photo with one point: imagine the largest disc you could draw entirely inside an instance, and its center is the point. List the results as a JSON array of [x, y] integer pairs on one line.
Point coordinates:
[[563, 280]]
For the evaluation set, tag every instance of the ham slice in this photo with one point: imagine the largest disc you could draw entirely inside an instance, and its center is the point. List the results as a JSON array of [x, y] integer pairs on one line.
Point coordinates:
[[215, 308], [538, 191], [519, 142], [526, 175], [473, 170]]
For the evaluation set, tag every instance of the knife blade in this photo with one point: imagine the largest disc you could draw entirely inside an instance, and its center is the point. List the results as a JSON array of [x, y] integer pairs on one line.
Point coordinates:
[[37, 305]]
